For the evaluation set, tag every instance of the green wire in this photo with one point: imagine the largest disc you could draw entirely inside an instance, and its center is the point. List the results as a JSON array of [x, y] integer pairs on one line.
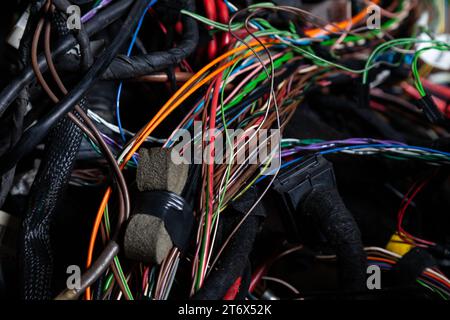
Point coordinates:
[[116, 259], [203, 253], [122, 277], [96, 3], [108, 228], [108, 282], [254, 83], [418, 82], [369, 35], [248, 88], [393, 43], [254, 180], [442, 294], [106, 220]]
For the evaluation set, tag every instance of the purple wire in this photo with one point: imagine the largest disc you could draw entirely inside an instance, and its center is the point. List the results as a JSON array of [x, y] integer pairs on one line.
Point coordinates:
[[333, 143], [91, 13], [111, 142]]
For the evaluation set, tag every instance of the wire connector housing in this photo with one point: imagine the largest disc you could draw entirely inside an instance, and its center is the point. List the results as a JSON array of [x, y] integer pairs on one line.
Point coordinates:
[[293, 185]]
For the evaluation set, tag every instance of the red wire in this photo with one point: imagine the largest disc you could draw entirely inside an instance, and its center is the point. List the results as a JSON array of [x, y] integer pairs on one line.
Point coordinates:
[[256, 277], [401, 214], [211, 13], [437, 88], [212, 126], [233, 290], [411, 91], [223, 17], [437, 279], [145, 277]]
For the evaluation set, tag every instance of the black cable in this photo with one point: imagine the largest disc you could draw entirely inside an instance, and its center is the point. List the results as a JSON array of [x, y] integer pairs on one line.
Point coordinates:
[[245, 282], [34, 135], [48, 187], [81, 35], [101, 21], [233, 261], [235, 258], [337, 224], [12, 124], [125, 67]]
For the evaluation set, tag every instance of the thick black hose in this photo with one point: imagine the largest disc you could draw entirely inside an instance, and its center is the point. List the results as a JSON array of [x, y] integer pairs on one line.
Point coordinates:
[[337, 224], [124, 67], [52, 179], [50, 183], [102, 20], [34, 135], [11, 126]]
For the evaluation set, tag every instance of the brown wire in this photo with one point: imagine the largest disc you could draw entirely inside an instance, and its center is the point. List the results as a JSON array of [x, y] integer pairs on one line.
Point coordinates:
[[92, 132], [123, 205], [162, 77], [123, 214]]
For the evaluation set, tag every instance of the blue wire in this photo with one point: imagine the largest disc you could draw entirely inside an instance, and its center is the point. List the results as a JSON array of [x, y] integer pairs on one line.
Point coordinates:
[[363, 146], [230, 8], [130, 49], [382, 265]]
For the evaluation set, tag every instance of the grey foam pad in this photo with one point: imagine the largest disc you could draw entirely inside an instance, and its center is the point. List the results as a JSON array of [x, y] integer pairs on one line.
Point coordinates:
[[146, 239], [157, 171]]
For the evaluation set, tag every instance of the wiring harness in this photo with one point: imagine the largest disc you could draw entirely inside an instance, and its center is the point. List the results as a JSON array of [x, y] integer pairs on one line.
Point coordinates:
[[223, 149]]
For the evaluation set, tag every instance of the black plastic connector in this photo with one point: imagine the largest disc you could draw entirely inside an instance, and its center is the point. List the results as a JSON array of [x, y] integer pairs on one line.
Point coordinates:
[[430, 110], [309, 190], [293, 185]]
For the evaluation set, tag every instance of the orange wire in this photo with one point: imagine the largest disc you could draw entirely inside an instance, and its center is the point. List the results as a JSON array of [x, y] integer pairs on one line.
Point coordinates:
[[170, 109], [156, 120], [195, 77], [340, 25], [436, 278], [429, 274], [98, 220], [163, 113], [383, 260]]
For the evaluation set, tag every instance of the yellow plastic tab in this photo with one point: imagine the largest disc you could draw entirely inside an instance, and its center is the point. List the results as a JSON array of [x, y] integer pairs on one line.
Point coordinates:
[[398, 245]]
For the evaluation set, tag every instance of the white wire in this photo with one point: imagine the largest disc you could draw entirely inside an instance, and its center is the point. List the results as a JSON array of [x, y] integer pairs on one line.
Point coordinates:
[[282, 282], [97, 118]]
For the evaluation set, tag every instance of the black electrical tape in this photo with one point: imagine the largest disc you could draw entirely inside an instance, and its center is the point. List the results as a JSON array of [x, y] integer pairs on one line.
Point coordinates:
[[34, 135], [411, 266], [176, 213]]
